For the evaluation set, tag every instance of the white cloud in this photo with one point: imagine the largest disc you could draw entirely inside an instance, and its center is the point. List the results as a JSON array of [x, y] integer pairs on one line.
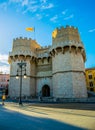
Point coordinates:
[[39, 16], [20, 2], [30, 5], [4, 58], [53, 19], [34, 6], [24, 2], [69, 17], [64, 12], [32, 2], [5, 69], [4, 66], [92, 30], [15, 1], [47, 6], [25, 11], [31, 9]]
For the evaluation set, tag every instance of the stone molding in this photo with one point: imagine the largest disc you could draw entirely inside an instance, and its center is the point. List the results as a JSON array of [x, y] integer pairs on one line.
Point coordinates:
[[68, 71]]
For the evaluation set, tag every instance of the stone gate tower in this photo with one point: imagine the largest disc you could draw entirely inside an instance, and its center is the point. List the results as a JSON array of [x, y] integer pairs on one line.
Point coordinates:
[[68, 57], [55, 71], [23, 50]]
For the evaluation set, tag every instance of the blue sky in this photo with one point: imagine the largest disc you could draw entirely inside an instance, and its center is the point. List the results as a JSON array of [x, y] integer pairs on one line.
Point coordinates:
[[45, 16]]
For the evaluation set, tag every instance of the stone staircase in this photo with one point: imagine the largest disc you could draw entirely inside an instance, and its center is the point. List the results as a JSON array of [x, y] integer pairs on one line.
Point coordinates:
[[67, 100]]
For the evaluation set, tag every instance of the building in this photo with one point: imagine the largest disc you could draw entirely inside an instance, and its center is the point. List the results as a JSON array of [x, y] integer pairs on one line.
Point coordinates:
[[90, 79], [54, 71], [4, 82]]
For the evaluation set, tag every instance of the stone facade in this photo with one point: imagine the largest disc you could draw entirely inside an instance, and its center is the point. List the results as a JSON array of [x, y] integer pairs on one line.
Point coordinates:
[[90, 79], [53, 71], [4, 80]]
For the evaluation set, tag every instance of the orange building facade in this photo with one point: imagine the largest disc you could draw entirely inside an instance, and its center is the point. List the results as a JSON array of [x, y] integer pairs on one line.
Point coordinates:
[[90, 78]]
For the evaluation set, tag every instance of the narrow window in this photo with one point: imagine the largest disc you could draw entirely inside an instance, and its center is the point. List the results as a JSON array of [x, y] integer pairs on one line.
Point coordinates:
[[90, 76], [91, 84]]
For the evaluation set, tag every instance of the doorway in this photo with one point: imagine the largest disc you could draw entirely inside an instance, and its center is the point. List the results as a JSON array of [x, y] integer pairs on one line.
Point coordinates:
[[45, 91]]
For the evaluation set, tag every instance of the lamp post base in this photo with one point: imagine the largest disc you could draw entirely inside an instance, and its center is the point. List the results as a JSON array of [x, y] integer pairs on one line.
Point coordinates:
[[20, 102]]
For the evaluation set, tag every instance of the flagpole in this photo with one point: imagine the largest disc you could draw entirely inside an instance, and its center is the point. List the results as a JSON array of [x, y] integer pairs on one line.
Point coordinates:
[[34, 34]]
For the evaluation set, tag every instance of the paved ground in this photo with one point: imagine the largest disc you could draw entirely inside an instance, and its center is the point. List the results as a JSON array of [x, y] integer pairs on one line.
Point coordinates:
[[35, 116]]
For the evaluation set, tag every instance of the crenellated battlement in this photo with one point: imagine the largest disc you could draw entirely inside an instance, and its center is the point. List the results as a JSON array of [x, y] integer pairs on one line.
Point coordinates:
[[65, 34], [67, 27], [43, 48], [22, 38], [22, 41], [24, 44]]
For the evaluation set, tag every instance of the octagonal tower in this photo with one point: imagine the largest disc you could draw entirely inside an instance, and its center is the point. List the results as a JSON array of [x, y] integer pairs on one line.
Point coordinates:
[[23, 50], [68, 57]]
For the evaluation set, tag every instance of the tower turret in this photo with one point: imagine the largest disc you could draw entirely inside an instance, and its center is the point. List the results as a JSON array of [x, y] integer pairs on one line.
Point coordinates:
[[23, 50], [68, 57]]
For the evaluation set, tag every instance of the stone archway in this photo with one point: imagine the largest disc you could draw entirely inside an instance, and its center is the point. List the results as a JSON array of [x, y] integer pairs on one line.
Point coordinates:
[[45, 91]]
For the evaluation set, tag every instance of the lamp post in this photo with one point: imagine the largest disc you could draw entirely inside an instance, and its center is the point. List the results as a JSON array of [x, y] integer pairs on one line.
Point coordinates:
[[22, 67]]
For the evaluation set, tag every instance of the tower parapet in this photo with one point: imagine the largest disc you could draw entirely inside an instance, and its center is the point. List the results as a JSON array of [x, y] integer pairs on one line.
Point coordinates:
[[23, 48], [67, 37], [25, 44], [68, 33]]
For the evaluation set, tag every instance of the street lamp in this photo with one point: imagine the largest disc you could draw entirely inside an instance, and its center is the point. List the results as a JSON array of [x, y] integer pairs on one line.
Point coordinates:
[[22, 67]]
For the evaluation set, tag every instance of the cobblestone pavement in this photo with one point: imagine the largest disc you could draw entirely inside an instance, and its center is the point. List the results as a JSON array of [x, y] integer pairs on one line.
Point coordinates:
[[54, 116]]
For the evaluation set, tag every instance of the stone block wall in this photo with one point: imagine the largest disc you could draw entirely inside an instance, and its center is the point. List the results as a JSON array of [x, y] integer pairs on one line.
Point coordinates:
[[14, 87], [68, 75], [79, 85], [61, 62], [62, 85]]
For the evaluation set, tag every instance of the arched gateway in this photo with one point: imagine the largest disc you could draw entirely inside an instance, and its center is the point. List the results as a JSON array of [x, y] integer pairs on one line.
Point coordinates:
[[45, 91], [50, 67]]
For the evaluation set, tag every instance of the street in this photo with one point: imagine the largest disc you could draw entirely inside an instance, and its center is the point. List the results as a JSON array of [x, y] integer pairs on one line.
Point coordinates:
[[37, 116]]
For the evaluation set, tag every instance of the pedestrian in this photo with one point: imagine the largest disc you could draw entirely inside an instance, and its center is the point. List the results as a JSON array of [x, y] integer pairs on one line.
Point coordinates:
[[3, 99]]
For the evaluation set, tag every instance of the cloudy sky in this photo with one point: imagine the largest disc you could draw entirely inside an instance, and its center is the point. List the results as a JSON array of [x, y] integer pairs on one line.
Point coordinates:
[[45, 16]]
